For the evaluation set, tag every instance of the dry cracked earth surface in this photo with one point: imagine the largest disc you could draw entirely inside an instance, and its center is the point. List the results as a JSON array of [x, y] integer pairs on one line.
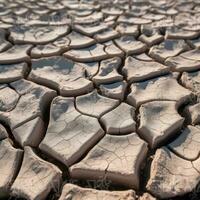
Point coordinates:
[[100, 100]]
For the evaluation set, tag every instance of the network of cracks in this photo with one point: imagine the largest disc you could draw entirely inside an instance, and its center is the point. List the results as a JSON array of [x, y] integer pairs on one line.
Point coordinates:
[[100, 99]]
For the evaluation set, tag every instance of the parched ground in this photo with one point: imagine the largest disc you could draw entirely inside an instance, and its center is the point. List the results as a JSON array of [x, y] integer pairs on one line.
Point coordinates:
[[100, 99]]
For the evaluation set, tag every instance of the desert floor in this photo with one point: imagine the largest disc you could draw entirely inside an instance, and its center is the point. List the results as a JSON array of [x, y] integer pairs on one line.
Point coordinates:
[[100, 99]]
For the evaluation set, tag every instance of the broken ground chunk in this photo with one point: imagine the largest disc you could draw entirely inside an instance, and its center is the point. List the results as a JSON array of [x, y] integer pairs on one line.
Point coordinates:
[[192, 113], [179, 63], [115, 158], [36, 177], [155, 89], [3, 133], [4, 44], [120, 120], [187, 144], [61, 74], [12, 72], [137, 70], [192, 81], [114, 90], [171, 175], [94, 104], [37, 34], [75, 192], [8, 99], [10, 160], [168, 48], [108, 71], [17, 53], [23, 108], [70, 134], [130, 45], [90, 54], [159, 120], [78, 40]]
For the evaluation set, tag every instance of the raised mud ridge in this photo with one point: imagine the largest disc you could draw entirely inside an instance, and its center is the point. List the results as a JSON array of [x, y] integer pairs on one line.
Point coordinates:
[[100, 100]]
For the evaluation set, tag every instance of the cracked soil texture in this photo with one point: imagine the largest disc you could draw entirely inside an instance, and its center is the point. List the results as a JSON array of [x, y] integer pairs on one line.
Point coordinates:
[[100, 100]]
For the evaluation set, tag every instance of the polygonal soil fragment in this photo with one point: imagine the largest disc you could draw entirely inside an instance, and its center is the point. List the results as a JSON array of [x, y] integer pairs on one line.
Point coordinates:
[[127, 29], [74, 192], [3, 133], [114, 90], [37, 34], [108, 34], [45, 50], [120, 120], [10, 160], [112, 50], [91, 68], [114, 11], [151, 40], [61, 74], [192, 55], [36, 177], [187, 144], [70, 134], [178, 33], [192, 81], [155, 89], [108, 71], [62, 43], [158, 121], [130, 45], [137, 70], [150, 36], [8, 99], [90, 54], [179, 63], [30, 133], [94, 104], [17, 53], [92, 18], [13, 72], [168, 48], [146, 196], [78, 40], [115, 158], [4, 44], [132, 20], [91, 29], [33, 101], [194, 43], [143, 57], [192, 113], [171, 175]]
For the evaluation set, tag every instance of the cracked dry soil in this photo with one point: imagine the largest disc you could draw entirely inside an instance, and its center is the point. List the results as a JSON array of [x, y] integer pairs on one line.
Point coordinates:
[[100, 100]]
